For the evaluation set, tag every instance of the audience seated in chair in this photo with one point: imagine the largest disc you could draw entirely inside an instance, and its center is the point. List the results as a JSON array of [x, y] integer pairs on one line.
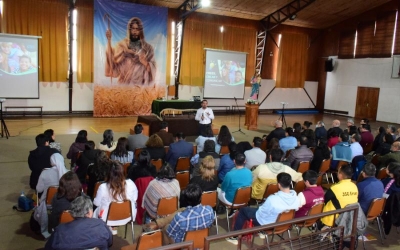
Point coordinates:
[[165, 185], [369, 188], [234, 179], [39, 158], [223, 138], [180, 148], [165, 136], [301, 153], [378, 138], [142, 167], [155, 147], [107, 144], [49, 177], [84, 232], [341, 151], [68, 189], [392, 183], [52, 143], [209, 150], [366, 135], [138, 140], [384, 147], [98, 172], [394, 154], [309, 133], [206, 179], [87, 157], [340, 195], [267, 213], [311, 196], [77, 146], [288, 142], [273, 144], [321, 153], [227, 163], [121, 152], [355, 146], [278, 132], [206, 134], [115, 189], [335, 128], [320, 131], [255, 156], [266, 173]]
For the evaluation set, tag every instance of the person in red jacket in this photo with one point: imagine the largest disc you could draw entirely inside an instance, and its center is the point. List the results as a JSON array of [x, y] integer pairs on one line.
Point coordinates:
[[311, 196]]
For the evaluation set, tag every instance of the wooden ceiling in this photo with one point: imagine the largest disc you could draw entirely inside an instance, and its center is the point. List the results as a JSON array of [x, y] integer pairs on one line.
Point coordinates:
[[319, 15]]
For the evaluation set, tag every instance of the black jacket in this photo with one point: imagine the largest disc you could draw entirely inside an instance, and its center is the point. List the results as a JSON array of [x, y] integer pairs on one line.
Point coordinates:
[[39, 159], [277, 133], [87, 157]]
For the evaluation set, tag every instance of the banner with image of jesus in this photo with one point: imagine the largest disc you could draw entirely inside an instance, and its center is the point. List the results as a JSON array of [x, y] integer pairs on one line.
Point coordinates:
[[129, 57]]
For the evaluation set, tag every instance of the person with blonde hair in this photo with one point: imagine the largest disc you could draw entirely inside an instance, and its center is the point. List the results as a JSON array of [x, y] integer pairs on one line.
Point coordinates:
[[207, 179]]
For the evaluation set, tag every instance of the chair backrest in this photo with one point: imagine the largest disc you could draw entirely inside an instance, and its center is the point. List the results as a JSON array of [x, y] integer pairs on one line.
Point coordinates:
[[319, 180], [376, 208], [108, 153], [374, 159], [51, 191], [96, 187], [157, 163], [126, 166], [166, 148], [284, 216], [224, 150], [194, 149], [137, 153], [382, 174], [367, 148], [316, 209], [299, 186], [288, 153], [303, 166], [242, 197], [271, 188], [183, 178], [264, 145], [66, 217], [209, 198], [197, 237], [182, 164], [149, 240], [119, 210], [360, 177], [167, 205], [324, 167]]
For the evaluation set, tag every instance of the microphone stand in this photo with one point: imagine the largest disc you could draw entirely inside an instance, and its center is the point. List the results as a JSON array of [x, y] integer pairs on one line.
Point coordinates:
[[239, 130]]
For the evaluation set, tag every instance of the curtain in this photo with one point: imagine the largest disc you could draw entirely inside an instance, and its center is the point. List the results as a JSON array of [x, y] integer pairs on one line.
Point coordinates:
[[85, 42], [365, 35], [44, 18], [346, 44], [203, 31], [382, 43], [292, 61]]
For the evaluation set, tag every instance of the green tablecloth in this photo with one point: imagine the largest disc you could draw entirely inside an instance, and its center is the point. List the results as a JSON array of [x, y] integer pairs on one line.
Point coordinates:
[[159, 105]]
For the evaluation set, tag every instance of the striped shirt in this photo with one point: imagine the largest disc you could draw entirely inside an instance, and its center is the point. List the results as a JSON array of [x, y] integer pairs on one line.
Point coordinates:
[[157, 189]]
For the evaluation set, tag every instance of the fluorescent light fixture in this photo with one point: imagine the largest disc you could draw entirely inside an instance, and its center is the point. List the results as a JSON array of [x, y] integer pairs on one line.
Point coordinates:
[[221, 29]]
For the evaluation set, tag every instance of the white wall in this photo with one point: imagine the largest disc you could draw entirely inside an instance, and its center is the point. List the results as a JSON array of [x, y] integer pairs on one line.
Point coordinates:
[[342, 83], [54, 96]]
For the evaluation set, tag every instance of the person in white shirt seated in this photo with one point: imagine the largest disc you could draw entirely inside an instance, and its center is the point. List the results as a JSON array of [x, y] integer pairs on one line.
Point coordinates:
[[355, 146], [255, 156], [115, 189], [121, 152]]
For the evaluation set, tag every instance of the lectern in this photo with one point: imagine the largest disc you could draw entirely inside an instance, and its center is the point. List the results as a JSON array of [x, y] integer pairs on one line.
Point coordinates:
[[251, 116]]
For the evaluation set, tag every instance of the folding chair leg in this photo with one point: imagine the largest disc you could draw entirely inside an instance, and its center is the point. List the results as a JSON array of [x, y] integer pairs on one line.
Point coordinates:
[[326, 177], [363, 241], [227, 220], [126, 227], [378, 219], [290, 239], [133, 232], [216, 220]]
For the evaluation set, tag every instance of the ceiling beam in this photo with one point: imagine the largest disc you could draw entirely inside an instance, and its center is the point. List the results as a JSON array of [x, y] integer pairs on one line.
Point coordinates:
[[286, 12], [188, 7]]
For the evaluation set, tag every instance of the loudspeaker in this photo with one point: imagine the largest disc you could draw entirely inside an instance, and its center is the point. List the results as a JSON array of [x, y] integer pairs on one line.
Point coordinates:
[[329, 65]]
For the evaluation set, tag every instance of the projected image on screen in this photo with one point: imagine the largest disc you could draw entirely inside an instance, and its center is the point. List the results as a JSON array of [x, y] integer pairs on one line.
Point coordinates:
[[18, 67], [224, 74]]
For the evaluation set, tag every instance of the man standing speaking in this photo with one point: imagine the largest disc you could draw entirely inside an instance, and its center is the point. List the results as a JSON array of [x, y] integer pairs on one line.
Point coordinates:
[[205, 116]]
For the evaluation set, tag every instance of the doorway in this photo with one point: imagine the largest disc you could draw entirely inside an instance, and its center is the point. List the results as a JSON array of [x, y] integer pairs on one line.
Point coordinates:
[[367, 103]]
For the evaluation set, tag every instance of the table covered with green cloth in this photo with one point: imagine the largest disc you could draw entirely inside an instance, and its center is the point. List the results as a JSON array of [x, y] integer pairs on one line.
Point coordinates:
[[159, 105]]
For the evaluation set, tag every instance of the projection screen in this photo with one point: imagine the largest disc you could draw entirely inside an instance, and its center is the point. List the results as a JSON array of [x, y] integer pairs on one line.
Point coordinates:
[[19, 76], [224, 74]]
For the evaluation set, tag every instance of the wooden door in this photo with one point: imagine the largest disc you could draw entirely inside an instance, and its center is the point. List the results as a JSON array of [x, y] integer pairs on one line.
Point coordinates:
[[367, 103]]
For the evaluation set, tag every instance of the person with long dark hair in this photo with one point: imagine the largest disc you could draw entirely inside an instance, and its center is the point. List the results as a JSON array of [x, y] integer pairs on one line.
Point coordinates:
[[223, 138], [142, 167], [98, 171], [51, 136], [378, 138], [68, 189], [392, 183], [297, 130], [108, 143], [88, 157], [77, 146], [309, 133], [115, 189], [384, 147], [121, 152], [321, 153]]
